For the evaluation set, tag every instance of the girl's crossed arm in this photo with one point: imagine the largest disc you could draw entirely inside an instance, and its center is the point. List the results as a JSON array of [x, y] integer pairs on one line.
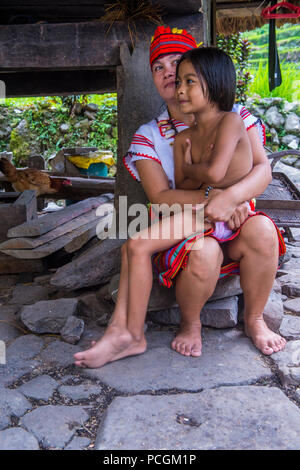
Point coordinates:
[[213, 170]]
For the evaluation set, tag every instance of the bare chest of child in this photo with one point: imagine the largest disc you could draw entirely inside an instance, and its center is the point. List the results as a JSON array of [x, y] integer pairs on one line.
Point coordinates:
[[203, 145]]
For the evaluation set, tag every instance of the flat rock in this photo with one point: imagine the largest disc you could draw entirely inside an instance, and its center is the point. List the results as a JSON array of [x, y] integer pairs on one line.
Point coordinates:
[[14, 369], [291, 289], [162, 298], [86, 270], [293, 305], [54, 426], [59, 353], [40, 388], [78, 443], [48, 316], [227, 287], [78, 392], [293, 263], [220, 313], [25, 347], [227, 418], [224, 356], [217, 314], [17, 439], [288, 363], [12, 403], [8, 331], [24, 294], [290, 327]]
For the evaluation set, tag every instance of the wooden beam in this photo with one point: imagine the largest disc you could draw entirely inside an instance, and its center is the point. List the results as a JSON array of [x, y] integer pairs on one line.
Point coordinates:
[[53, 220], [29, 11], [50, 83], [73, 46]]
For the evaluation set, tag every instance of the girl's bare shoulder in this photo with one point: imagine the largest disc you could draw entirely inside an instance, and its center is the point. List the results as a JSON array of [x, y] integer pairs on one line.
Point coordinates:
[[183, 135], [231, 119]]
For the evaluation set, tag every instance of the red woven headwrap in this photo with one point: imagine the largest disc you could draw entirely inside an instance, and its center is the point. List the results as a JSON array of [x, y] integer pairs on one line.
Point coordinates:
[[166, 41]]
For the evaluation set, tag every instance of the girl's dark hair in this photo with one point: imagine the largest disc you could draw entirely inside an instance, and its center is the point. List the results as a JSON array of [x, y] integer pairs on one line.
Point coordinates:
[[215, 68]]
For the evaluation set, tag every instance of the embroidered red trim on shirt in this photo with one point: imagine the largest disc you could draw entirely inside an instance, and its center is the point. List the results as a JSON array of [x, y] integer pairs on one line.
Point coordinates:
[[130, 154]]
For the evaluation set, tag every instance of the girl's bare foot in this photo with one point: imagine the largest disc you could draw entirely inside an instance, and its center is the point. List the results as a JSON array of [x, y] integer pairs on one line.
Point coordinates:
[[263, 338], [114, 345], [188, 340]]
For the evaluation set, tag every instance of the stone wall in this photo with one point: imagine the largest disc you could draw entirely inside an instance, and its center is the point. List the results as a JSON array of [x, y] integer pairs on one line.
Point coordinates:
[[282, 121]]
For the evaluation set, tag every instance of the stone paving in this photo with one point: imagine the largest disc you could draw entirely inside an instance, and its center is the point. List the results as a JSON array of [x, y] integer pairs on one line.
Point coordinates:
[[232, 397]]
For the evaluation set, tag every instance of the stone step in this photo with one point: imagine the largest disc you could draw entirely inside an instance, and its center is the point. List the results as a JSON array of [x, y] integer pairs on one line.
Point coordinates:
[[227, 418]]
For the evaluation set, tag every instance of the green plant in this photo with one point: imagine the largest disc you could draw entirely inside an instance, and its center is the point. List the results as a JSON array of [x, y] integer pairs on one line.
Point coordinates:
[[289, 89], [239, 50]]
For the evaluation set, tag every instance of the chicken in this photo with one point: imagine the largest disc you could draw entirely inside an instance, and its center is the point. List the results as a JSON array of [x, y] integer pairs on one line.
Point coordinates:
[[31, 178]]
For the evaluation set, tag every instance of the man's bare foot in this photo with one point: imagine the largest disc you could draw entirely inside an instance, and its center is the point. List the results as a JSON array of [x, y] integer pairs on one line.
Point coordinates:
[[114, 345], [188, 340], [263, 338]]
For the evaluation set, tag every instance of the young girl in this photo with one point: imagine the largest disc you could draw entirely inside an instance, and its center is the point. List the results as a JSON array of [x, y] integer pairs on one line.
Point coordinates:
[[216, 150]]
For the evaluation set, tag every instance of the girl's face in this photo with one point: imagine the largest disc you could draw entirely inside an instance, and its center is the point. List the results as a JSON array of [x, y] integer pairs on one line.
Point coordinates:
[[189, 91], [164, 76]]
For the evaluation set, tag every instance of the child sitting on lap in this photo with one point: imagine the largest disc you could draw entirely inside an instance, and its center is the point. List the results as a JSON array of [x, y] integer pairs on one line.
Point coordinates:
[[215, 151]]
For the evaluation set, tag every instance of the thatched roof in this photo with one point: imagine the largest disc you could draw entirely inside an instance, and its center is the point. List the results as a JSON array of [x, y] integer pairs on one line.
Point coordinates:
[[234, 16]]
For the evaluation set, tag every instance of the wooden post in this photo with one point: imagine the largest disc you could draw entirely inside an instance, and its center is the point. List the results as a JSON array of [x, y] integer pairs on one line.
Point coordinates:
[[138, 103]]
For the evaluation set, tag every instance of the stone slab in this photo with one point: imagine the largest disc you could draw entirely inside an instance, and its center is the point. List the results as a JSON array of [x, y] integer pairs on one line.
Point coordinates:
[[40, 388], [8, 331], [78, 443], [290, 327], [228, 358], [226, 418], [291, 289], [48, 316], [163, 298], [59, 353], [25, 347], [14, 369], [216, 314], [17, 439], [288, 363], [24, 294], [78, 392], [293, 305], [54, 426], [12, 403], [220, 313]]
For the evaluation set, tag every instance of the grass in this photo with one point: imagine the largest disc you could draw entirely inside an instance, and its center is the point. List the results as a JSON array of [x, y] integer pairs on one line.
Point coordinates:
[[289, 89], [55, 101]]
